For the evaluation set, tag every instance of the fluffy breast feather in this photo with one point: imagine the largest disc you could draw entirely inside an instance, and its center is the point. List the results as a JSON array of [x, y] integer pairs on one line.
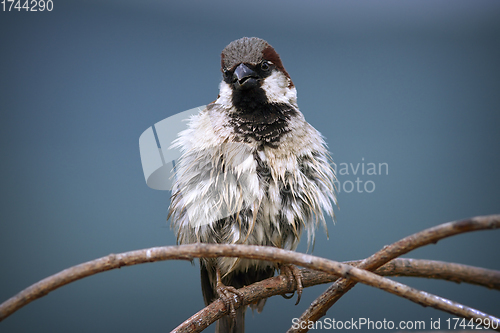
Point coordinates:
[[228, 191]]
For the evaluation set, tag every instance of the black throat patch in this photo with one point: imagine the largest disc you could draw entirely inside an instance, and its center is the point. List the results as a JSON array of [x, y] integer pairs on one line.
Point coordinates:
[[257, 120]]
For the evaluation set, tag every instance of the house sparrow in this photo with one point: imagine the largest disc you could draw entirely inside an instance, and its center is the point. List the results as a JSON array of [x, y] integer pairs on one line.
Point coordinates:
[[252, 171]]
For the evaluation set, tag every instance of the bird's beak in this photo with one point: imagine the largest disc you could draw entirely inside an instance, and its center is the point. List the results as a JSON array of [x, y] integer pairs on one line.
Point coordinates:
[[244, 77]]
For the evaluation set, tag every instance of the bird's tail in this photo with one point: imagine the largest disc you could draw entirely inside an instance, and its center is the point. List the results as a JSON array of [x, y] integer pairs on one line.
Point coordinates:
[[227, 325]]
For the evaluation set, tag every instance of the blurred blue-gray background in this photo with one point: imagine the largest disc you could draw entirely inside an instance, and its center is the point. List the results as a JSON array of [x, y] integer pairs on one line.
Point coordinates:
[[413, 84]]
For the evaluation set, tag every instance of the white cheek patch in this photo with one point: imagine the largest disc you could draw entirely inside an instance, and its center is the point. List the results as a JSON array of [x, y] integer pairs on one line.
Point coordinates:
[[277, 90], [225, 93]]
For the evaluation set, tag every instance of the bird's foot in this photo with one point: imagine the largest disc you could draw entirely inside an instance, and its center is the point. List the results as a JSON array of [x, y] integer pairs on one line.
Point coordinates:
[[293, 274], [227, 295]]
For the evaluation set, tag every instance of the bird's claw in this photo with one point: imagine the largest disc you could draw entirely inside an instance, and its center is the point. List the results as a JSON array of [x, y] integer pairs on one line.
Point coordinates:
[[226, 294], [293, 274]]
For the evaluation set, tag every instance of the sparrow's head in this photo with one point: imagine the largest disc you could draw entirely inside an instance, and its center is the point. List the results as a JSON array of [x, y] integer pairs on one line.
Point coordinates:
[[251, 68]]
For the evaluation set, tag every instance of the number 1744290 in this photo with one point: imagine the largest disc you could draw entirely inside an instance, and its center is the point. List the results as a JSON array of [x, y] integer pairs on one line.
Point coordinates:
[[27, 5]]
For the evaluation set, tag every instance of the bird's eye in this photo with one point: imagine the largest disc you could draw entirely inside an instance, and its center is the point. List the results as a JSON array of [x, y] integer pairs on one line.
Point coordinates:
[[265, 66], [226, 72]]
